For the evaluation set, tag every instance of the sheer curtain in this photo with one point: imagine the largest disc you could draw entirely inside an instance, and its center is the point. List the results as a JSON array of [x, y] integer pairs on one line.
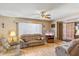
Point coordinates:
[[30, 28]]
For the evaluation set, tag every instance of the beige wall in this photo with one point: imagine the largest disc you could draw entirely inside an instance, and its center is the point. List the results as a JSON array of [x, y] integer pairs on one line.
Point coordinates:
[[10, 24]]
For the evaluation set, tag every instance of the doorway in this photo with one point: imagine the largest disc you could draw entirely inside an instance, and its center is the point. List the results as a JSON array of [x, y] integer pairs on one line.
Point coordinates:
[[60, 30]]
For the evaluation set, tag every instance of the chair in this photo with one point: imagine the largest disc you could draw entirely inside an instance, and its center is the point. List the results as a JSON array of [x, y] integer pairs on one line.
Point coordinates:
[[10, 49]]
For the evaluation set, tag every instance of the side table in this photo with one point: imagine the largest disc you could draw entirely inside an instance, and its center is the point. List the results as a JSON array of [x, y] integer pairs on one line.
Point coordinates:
[[50, 38]]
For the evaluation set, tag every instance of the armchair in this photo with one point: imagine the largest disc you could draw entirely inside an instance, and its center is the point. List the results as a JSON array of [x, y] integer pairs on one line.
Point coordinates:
[[9, 49]]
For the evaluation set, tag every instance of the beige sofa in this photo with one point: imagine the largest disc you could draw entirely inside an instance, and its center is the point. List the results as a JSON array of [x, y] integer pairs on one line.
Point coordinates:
[[68, 48], [32, 40]]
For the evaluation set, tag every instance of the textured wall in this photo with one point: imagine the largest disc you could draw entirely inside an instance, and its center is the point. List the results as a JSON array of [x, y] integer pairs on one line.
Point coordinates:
[[10, 24]]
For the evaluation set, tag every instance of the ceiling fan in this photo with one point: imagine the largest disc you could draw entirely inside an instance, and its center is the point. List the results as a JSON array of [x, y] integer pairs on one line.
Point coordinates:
[[43, 14]]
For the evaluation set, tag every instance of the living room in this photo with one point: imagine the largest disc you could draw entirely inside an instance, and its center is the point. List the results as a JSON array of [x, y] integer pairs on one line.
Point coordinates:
[[40, 30]]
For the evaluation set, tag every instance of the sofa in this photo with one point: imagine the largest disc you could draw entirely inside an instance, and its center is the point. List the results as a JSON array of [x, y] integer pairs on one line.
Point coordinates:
[[32, 40], [68, 48]]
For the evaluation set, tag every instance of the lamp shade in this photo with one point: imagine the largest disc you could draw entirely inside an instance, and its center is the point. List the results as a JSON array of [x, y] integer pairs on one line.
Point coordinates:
[[12, 33]]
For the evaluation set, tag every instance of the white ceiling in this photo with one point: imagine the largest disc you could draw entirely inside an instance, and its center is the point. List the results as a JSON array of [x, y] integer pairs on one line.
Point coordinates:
[[29, 10]]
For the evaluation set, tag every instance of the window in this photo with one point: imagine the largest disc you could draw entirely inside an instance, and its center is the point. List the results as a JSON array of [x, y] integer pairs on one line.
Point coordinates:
[[30, 28]]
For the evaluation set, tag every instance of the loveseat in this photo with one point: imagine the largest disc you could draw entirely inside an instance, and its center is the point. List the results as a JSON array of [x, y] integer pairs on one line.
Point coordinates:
[[32, 40], [68, 48]]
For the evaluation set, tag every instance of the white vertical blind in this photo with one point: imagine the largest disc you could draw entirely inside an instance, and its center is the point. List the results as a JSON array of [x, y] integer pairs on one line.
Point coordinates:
[[30, 28]]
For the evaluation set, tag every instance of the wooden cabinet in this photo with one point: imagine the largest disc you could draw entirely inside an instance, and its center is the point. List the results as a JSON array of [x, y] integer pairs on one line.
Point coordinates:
[[50, 38], [69, 31]]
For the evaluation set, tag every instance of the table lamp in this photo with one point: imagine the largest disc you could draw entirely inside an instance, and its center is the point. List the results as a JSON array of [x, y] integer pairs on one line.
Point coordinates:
[[12, 35]]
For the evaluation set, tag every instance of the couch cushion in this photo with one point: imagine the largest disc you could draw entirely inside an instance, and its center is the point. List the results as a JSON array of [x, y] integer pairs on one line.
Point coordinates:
[[75, 51], [31, 37], [26, 37], [73, 43], [33, 41]]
